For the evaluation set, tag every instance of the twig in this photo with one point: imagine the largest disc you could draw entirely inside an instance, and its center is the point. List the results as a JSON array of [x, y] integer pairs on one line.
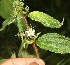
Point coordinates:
[[35, 49]]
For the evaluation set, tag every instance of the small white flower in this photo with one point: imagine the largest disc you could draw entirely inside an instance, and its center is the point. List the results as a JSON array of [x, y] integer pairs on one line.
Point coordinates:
[[30, 32]]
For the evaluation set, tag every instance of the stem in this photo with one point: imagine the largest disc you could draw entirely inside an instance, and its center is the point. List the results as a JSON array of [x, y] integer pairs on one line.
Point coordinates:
[[22, 51], [24, 18], [36, 50]]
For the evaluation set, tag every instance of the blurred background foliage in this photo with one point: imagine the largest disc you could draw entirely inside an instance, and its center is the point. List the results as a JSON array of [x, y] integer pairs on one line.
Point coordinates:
[[9, 43]]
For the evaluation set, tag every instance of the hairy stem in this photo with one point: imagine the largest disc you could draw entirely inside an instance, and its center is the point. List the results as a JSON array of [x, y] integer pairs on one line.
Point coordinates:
[[24, 18], [36, 50]]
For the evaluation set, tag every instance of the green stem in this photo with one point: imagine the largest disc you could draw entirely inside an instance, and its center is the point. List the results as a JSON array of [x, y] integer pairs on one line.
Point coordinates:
[[22, 51]]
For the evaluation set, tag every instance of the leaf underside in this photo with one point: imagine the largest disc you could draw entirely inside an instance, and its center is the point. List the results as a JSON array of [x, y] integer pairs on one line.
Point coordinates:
[[44, 19], [10, 20], [54, 42], [7, 22], [20, 23]]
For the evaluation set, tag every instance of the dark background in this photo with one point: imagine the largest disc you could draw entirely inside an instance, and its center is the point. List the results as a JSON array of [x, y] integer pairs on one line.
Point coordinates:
[[55, 8]]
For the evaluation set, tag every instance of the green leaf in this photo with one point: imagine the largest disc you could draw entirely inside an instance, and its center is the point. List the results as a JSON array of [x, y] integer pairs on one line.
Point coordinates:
[[45, 19], [20, 23], [54, 42], [7, 22], [2, 60], [13, 55], [6, 8], [23, 53]]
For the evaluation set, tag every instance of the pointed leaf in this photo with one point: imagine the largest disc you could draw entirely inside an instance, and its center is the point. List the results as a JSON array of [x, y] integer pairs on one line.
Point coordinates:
[[54, 42], [6, 8], [7, 22], [45, 19]]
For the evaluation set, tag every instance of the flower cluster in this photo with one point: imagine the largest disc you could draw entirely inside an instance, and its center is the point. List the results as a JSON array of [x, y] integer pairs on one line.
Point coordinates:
[[30, 32], [18, 6]]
